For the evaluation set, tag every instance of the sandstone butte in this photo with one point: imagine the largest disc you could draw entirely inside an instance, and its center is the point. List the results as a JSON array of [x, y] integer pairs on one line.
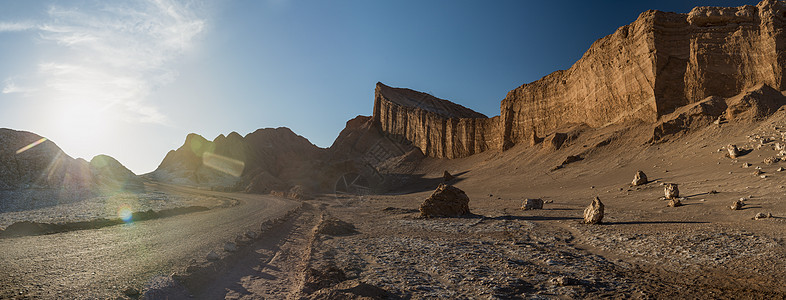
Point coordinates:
[[639, 73]]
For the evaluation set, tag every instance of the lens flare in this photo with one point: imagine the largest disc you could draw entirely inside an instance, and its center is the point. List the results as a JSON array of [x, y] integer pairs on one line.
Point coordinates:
[[33, 144], [125, 213], [223, 164]]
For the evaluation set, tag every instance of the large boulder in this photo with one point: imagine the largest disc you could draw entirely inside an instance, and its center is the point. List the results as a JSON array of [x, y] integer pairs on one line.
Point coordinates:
[[593, 214], [446, 201]]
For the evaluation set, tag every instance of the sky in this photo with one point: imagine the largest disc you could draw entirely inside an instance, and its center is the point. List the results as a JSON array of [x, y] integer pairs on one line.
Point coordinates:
[[131, 79]]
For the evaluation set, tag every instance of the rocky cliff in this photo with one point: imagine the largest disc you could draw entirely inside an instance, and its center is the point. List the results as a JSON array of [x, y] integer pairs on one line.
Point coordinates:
[[649, 68], [437, 127], [264, 160], [641, 72]]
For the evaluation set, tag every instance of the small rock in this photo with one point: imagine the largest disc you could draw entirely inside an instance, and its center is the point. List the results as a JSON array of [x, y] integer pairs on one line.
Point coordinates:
[[737, 205], [213, 255], [780, 169], [733, 151], [671, 190], [564, 281], [763, 176], [746, 165], [230, 247], [757, 173], [759, 216], [674, 202], [771, 160], [639, 179], [593, 214], [251, 234], [530, 204]]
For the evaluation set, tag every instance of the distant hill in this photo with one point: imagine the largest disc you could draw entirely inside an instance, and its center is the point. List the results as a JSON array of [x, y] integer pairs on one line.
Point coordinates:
[[35, 172]]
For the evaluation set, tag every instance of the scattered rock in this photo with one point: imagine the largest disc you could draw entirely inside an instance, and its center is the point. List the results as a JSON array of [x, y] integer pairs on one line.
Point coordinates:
[[447, 177], [564, 281], [737, 205], [675, 202], [530, 204], [671, 190], [230, 247], [761, 215], [757, 172], [771, 160], [298, 192], [593, 214], [336, 227], [251, 234], [746, 165], [733, 151], [639, 179], [448, 201], [213, 255], [780, 169]]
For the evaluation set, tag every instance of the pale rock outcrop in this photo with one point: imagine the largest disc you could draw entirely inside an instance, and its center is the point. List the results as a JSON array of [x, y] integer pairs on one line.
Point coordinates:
[[593, 214], [639, 179], [671, 191]]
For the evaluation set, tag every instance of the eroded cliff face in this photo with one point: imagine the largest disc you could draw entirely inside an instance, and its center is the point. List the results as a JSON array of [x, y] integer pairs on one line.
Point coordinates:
[[641, 72], [649, 68], [439, 128]]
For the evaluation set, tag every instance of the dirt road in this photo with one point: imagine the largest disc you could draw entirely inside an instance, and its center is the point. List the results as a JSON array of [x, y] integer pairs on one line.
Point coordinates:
[[102, 263]]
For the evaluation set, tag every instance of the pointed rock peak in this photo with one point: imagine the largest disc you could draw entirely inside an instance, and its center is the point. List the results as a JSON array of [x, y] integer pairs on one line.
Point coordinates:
[[419, 100], [234, 135]]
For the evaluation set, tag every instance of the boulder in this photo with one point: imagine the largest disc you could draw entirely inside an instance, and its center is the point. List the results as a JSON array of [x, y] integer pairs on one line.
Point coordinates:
[[639, 179], [446, 201], [593, 214], [530, 204], [675, 202], [737, 205], [671, 190], [733, 151]]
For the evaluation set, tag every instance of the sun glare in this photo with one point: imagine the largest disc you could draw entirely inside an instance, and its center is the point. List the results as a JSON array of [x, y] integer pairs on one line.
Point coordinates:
[[125, 213]]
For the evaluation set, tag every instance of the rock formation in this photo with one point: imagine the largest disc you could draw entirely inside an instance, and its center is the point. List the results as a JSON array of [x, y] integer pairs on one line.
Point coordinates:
[[437, 127], [446, 201], [733, 151], [671, 191], [593, 214], [639, 179], [530, 204], [264, 160], [713, 61]]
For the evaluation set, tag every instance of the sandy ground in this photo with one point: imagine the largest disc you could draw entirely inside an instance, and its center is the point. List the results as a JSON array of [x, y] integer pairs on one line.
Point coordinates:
[[644, 249]]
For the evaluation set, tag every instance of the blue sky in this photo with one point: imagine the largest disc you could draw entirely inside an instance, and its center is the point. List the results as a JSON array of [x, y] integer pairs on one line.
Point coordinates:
[[131, 78]]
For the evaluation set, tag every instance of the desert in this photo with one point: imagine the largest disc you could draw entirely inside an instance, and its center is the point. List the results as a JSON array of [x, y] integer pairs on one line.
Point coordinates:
[[652, 168]]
